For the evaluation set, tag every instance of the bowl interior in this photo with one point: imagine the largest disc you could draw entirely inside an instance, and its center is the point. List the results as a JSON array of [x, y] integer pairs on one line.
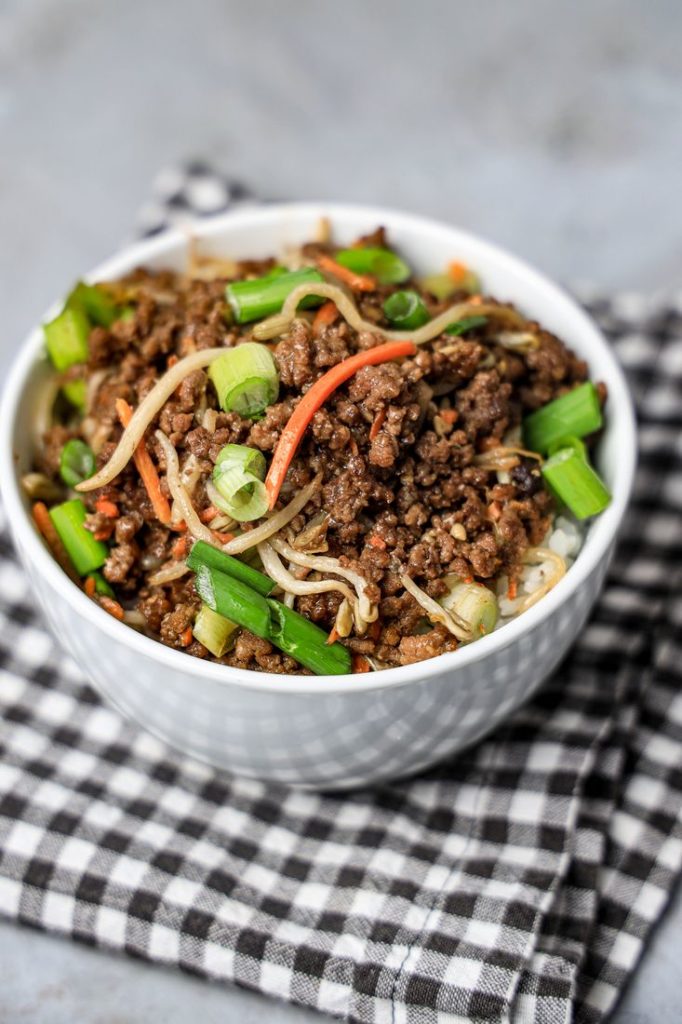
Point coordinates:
[[428, 246]]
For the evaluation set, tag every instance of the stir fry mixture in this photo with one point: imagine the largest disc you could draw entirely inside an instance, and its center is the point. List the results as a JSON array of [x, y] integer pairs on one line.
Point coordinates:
[[313, 464]]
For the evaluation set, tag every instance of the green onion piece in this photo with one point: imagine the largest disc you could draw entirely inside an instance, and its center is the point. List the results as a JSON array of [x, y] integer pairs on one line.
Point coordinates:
[[467, 323], [441, 286], [233, 600], [75, 392], [572, 480], [406, 310], [66, 338], [244, 495], [275, 272], [101, 585], [473, 603], [569, 442], [85, 552], [253, 300], [205, 554], [306, 642], [575, 414], [76, 463], [245, 379], [213, 631], [382, 264], [95, 302], [251, 460]]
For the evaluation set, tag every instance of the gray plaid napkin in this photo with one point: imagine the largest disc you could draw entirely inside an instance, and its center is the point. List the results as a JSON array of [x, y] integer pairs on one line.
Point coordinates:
[[516, 883]]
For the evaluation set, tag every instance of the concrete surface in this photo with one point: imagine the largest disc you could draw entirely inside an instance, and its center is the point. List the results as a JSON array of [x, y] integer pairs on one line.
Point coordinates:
[[553, 128]]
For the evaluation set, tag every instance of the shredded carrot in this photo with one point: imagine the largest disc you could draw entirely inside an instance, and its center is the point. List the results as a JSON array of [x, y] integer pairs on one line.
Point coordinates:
[[222, 536], [512, 590], [458, 272], [377, 424], [113, 607], [377, 542], [179, 549], [469, 579], [107, 508], [475, 300], [360, 664], [290, 438], [179, 527], [146, 468], [325, 316], [209, 513], [333, 636], [105, 533], [90, 586], [186, 638], [449, 416], [171, 361], [358, 282], [374, 630]]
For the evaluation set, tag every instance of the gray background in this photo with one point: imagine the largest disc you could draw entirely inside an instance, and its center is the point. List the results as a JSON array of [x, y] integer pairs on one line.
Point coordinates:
[[554, 128]]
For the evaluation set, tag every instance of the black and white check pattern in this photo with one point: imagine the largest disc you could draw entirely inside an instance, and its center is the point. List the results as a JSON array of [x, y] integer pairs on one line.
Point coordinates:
[[518, 882]]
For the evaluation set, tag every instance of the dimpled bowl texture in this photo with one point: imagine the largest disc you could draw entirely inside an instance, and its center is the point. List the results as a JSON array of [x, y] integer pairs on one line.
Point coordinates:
[[341, 731]]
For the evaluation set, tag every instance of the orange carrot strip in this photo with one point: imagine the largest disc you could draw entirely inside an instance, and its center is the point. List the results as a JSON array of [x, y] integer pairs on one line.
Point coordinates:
[[107, 508], [358, 282], [378, 424], [41, 517], [512, 590], [458, 272], [146, 468], [374, 630], [113, 607], [325, 316], [171, 361], [104, 534], [179, 549], [290, 438], [179, 527], [209, 513], [449, 416], [90, 586], [222, 536], [186, 638], [333, 636], [360, 664], [377, 542]]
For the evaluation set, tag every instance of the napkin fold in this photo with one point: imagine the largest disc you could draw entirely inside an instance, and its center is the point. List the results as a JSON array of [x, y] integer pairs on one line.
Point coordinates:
[[518, 882]]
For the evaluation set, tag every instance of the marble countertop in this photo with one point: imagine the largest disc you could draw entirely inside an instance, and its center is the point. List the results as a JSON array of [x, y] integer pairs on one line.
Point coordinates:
[[553, 129]]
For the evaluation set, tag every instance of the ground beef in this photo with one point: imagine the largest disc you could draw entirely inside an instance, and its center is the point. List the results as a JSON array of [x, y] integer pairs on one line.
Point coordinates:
[[397, 447]]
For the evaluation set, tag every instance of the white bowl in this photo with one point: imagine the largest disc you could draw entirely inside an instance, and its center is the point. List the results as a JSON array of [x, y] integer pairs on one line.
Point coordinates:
[[328, 732]]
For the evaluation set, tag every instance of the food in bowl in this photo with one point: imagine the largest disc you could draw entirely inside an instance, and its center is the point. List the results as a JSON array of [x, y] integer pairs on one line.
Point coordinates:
[[312, 463]]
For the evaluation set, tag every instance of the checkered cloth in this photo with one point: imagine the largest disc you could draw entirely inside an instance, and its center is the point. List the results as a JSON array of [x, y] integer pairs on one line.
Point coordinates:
[[518, 882]]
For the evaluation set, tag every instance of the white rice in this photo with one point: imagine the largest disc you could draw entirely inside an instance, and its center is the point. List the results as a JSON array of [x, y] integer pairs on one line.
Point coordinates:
[[565, 537]]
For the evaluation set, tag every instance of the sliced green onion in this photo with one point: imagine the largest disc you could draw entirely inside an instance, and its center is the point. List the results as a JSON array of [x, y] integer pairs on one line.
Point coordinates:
[[233, 600], [441, 286], [253, 300], [213, 630], [382, 264], [569, 442], [95, 302], [205, 554], [76, 463], [575, 414], [245, 379], [306, 642], [101, 585], [473, 603], [406, 310], [467, 323], [75, 392], [85, 552], [572, 480], [251, 460], [243, 494], [275, 272], [66, 338]]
